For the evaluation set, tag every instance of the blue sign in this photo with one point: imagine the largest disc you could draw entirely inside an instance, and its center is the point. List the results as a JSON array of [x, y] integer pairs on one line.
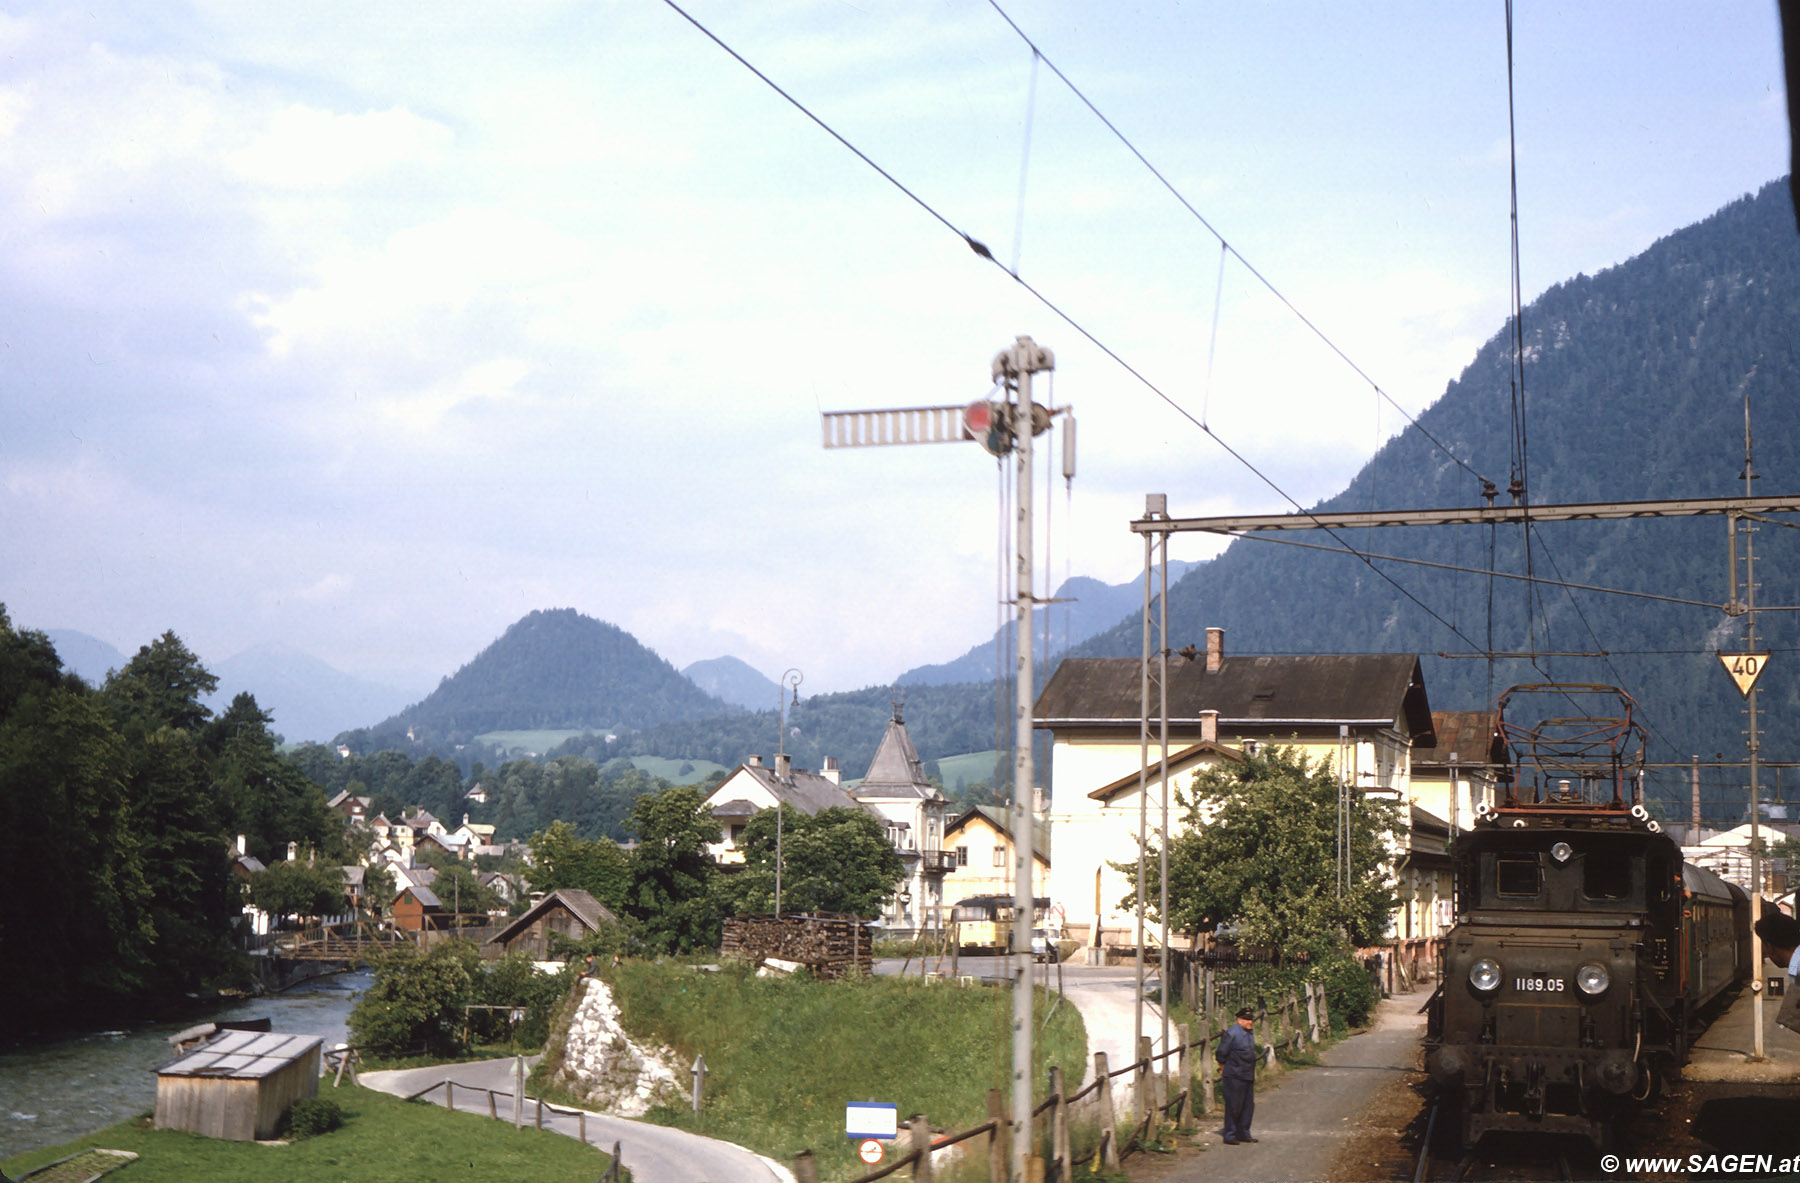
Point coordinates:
[[871, 1119]]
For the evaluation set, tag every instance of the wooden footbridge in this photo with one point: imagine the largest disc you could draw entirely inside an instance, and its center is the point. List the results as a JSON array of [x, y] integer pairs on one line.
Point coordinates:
[[352, 942]]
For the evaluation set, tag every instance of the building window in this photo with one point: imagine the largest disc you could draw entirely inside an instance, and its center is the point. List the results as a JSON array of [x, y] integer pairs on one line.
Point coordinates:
[[999, 856], [962, 856]]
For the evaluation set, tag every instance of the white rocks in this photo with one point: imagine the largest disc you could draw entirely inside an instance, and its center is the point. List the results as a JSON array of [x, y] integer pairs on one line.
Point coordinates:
[[605, 1068]]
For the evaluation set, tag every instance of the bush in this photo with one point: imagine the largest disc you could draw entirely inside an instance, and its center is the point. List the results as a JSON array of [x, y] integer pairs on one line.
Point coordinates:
[[312, 1115], [417, 1001], [1348, 988]]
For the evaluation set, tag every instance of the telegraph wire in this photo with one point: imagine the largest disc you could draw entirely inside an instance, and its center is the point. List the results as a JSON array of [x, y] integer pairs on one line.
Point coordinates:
[[982, 250], [1224, 245], [1367, 556]]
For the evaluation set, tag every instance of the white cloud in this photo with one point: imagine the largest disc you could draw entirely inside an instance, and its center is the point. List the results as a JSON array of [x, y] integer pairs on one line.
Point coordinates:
[[306, 148]]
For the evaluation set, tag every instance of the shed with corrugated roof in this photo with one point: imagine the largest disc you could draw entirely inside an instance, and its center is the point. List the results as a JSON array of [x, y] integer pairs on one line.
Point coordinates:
[[238, 1084]]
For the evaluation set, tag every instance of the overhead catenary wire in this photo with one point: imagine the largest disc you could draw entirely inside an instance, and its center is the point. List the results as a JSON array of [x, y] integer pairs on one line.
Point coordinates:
[[1224, 244], [1068, 319]]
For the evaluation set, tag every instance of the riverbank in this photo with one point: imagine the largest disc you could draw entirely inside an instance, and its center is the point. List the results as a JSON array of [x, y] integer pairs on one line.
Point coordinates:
[[383, 1140], [56, 1089]]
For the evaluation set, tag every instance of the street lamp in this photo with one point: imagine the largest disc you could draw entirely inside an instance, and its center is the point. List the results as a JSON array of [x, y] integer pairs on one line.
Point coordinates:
[[790, 682]]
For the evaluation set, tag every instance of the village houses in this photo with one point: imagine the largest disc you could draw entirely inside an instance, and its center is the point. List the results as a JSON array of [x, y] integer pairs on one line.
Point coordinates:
[[1364, 714], [896, 790]]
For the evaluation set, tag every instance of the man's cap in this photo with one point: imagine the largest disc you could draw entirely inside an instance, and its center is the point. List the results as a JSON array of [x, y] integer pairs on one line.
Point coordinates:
[[1246, 1012], [1779, 929]]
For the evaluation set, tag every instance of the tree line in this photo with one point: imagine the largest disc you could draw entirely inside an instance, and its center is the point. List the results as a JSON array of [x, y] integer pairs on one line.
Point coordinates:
[[121, 806]]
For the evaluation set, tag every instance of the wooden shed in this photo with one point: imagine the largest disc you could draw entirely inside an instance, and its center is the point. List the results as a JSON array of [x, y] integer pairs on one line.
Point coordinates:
[[569, 911], [237, 1085]]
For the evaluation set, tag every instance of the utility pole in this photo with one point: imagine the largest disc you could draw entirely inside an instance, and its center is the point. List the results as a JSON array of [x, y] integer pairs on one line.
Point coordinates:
[[1005, 428], [1756, 886], [1014, 366]]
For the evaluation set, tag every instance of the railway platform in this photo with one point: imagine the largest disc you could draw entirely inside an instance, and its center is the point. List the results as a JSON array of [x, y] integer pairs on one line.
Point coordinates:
[[1723, 1051]]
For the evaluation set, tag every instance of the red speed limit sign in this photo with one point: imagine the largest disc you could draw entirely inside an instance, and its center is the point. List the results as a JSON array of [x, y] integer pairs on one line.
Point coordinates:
[[869, 1151]]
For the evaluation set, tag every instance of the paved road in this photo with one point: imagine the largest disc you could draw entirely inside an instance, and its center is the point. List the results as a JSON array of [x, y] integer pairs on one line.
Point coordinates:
[[653, 1153], [1105, 996]]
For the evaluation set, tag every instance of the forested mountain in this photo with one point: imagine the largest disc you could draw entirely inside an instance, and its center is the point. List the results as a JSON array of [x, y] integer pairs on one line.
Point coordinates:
[[552, 669], [942, 720], [1084, 607], [1635, 383]]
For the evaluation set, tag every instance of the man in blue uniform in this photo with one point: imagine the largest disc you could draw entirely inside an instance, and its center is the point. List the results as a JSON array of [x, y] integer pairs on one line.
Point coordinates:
[[1236, 1055]]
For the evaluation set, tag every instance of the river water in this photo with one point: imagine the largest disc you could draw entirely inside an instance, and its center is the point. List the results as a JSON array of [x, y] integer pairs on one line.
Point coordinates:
[[57, 1090]]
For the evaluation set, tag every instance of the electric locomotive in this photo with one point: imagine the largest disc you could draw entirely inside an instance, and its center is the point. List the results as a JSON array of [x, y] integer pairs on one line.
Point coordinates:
[[1584, 947]]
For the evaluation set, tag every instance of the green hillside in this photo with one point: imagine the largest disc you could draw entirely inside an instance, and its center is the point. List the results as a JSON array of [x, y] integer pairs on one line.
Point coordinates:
[[1635, 381], [552, 670]]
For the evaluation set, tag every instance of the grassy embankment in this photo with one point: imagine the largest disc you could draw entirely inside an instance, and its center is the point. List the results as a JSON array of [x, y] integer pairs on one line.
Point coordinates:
[[383, 1140], [784, 1055]]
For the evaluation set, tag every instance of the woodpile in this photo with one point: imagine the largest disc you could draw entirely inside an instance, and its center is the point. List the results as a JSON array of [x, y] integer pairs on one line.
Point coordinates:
[[829, 946]]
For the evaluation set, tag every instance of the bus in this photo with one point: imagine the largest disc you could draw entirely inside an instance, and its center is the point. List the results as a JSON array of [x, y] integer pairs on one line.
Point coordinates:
[[984, 923]]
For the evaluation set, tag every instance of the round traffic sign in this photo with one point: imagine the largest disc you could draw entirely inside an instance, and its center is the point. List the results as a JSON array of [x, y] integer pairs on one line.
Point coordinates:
[[869, 1151]]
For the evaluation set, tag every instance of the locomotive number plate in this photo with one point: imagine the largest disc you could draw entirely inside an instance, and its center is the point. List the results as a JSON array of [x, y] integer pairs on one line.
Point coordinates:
[[1539, 984]]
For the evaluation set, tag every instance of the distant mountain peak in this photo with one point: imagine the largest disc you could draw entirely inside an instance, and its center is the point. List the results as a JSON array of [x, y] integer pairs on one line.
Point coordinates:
[[555, 668]]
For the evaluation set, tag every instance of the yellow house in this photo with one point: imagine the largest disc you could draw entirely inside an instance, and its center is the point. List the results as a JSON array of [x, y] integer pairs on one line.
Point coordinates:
[[1361, 713], [980, 843]]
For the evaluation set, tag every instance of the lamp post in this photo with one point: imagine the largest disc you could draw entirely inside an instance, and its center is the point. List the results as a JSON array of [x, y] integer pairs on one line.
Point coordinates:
[[790, 683]]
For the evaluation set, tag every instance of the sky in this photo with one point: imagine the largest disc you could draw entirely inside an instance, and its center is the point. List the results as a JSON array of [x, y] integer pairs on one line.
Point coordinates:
[[367, 329]]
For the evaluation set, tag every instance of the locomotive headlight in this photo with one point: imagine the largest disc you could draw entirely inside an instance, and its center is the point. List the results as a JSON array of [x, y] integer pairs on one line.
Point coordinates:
[[1593, 979], [1561, 852], [1484, 975]]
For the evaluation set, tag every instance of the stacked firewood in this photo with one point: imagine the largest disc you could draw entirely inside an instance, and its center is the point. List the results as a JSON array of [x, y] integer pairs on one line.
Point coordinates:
[[830, 946]]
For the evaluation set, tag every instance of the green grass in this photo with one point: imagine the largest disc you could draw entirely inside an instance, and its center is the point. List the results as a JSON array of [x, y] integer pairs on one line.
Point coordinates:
[[970, 767], [384, 1140], [670, 770], [785, 1054], [531, 741]]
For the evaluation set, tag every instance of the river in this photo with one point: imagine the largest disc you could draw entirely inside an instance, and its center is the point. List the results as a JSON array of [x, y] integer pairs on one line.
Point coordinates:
[[57, 1090]]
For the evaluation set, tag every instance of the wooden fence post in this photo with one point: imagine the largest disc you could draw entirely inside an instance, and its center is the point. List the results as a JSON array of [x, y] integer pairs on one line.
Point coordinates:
[[540, 1113], [581, 1124], [1143, 1104], [1109, 1123], [1059, 1124], [1206, 1068], [450, 1094], [493, 1106], [921, 1144], [999, 1138], [805, 1169], [1324, 1011], [1268, 1031], [1312, 1010], [1185, 1116]]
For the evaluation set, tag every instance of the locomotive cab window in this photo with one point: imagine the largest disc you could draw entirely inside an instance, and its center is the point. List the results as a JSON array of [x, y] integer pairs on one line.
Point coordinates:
[[1606, 875], [1516, 874]]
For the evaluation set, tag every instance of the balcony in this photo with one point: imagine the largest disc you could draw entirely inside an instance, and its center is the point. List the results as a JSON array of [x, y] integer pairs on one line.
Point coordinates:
[[936, 862]]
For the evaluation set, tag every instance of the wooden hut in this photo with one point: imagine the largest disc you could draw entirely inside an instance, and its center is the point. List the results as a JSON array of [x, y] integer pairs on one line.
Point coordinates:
[[237, 1085], [417, 909], [569, 911]]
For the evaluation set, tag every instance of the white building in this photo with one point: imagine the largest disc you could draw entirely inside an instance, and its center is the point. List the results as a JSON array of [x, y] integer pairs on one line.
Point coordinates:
[[1362, 713]]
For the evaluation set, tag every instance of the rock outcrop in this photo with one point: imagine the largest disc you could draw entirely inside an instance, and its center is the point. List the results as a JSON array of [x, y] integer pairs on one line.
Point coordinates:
[[601, 1065]]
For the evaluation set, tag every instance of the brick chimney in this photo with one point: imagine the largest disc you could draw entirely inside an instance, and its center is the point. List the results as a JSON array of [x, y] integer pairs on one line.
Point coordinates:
[[1215, 649], [1209, 726], [753, 762], [831, 772]]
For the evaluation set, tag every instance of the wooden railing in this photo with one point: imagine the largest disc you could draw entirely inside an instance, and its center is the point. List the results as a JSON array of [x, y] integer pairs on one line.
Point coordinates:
[[523, 1102], [1160, 1098]]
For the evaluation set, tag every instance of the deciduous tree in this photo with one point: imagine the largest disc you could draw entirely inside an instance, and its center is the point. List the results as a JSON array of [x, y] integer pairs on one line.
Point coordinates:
[[1258, 848]]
